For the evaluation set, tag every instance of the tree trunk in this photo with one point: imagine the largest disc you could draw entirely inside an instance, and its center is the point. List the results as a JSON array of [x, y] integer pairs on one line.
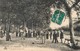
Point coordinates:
[[71, 30], [7, 32], [8, 29], [18, 30], [24, 26], [5, 29]]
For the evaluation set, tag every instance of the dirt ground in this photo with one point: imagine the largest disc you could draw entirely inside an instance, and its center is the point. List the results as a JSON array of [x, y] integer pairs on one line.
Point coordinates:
[[32, 44]]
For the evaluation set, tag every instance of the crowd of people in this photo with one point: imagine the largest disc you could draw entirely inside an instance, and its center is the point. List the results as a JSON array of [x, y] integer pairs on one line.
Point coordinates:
[[52, 34]]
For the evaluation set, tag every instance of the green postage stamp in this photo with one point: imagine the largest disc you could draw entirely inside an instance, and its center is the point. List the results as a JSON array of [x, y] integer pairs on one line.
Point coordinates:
[[57, 17]]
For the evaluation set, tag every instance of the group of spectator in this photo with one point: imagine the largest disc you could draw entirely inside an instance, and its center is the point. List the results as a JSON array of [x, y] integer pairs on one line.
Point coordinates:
[[53, 34], [57, 34]]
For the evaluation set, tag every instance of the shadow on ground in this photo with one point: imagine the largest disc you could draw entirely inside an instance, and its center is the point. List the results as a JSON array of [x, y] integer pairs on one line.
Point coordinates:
[[73, 47]]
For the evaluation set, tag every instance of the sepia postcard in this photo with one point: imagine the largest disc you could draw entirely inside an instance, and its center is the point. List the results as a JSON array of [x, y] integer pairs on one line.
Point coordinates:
[[39, 25]]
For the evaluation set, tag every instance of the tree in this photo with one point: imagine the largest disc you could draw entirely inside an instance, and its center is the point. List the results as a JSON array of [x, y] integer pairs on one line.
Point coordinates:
[[37, 9], [23, 9], [8, 13], [68, 5]]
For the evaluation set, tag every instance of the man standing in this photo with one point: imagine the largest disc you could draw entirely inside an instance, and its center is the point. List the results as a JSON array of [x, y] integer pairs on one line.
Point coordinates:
[[43, 36], [61, 35], [55, 36], [22, 32]]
